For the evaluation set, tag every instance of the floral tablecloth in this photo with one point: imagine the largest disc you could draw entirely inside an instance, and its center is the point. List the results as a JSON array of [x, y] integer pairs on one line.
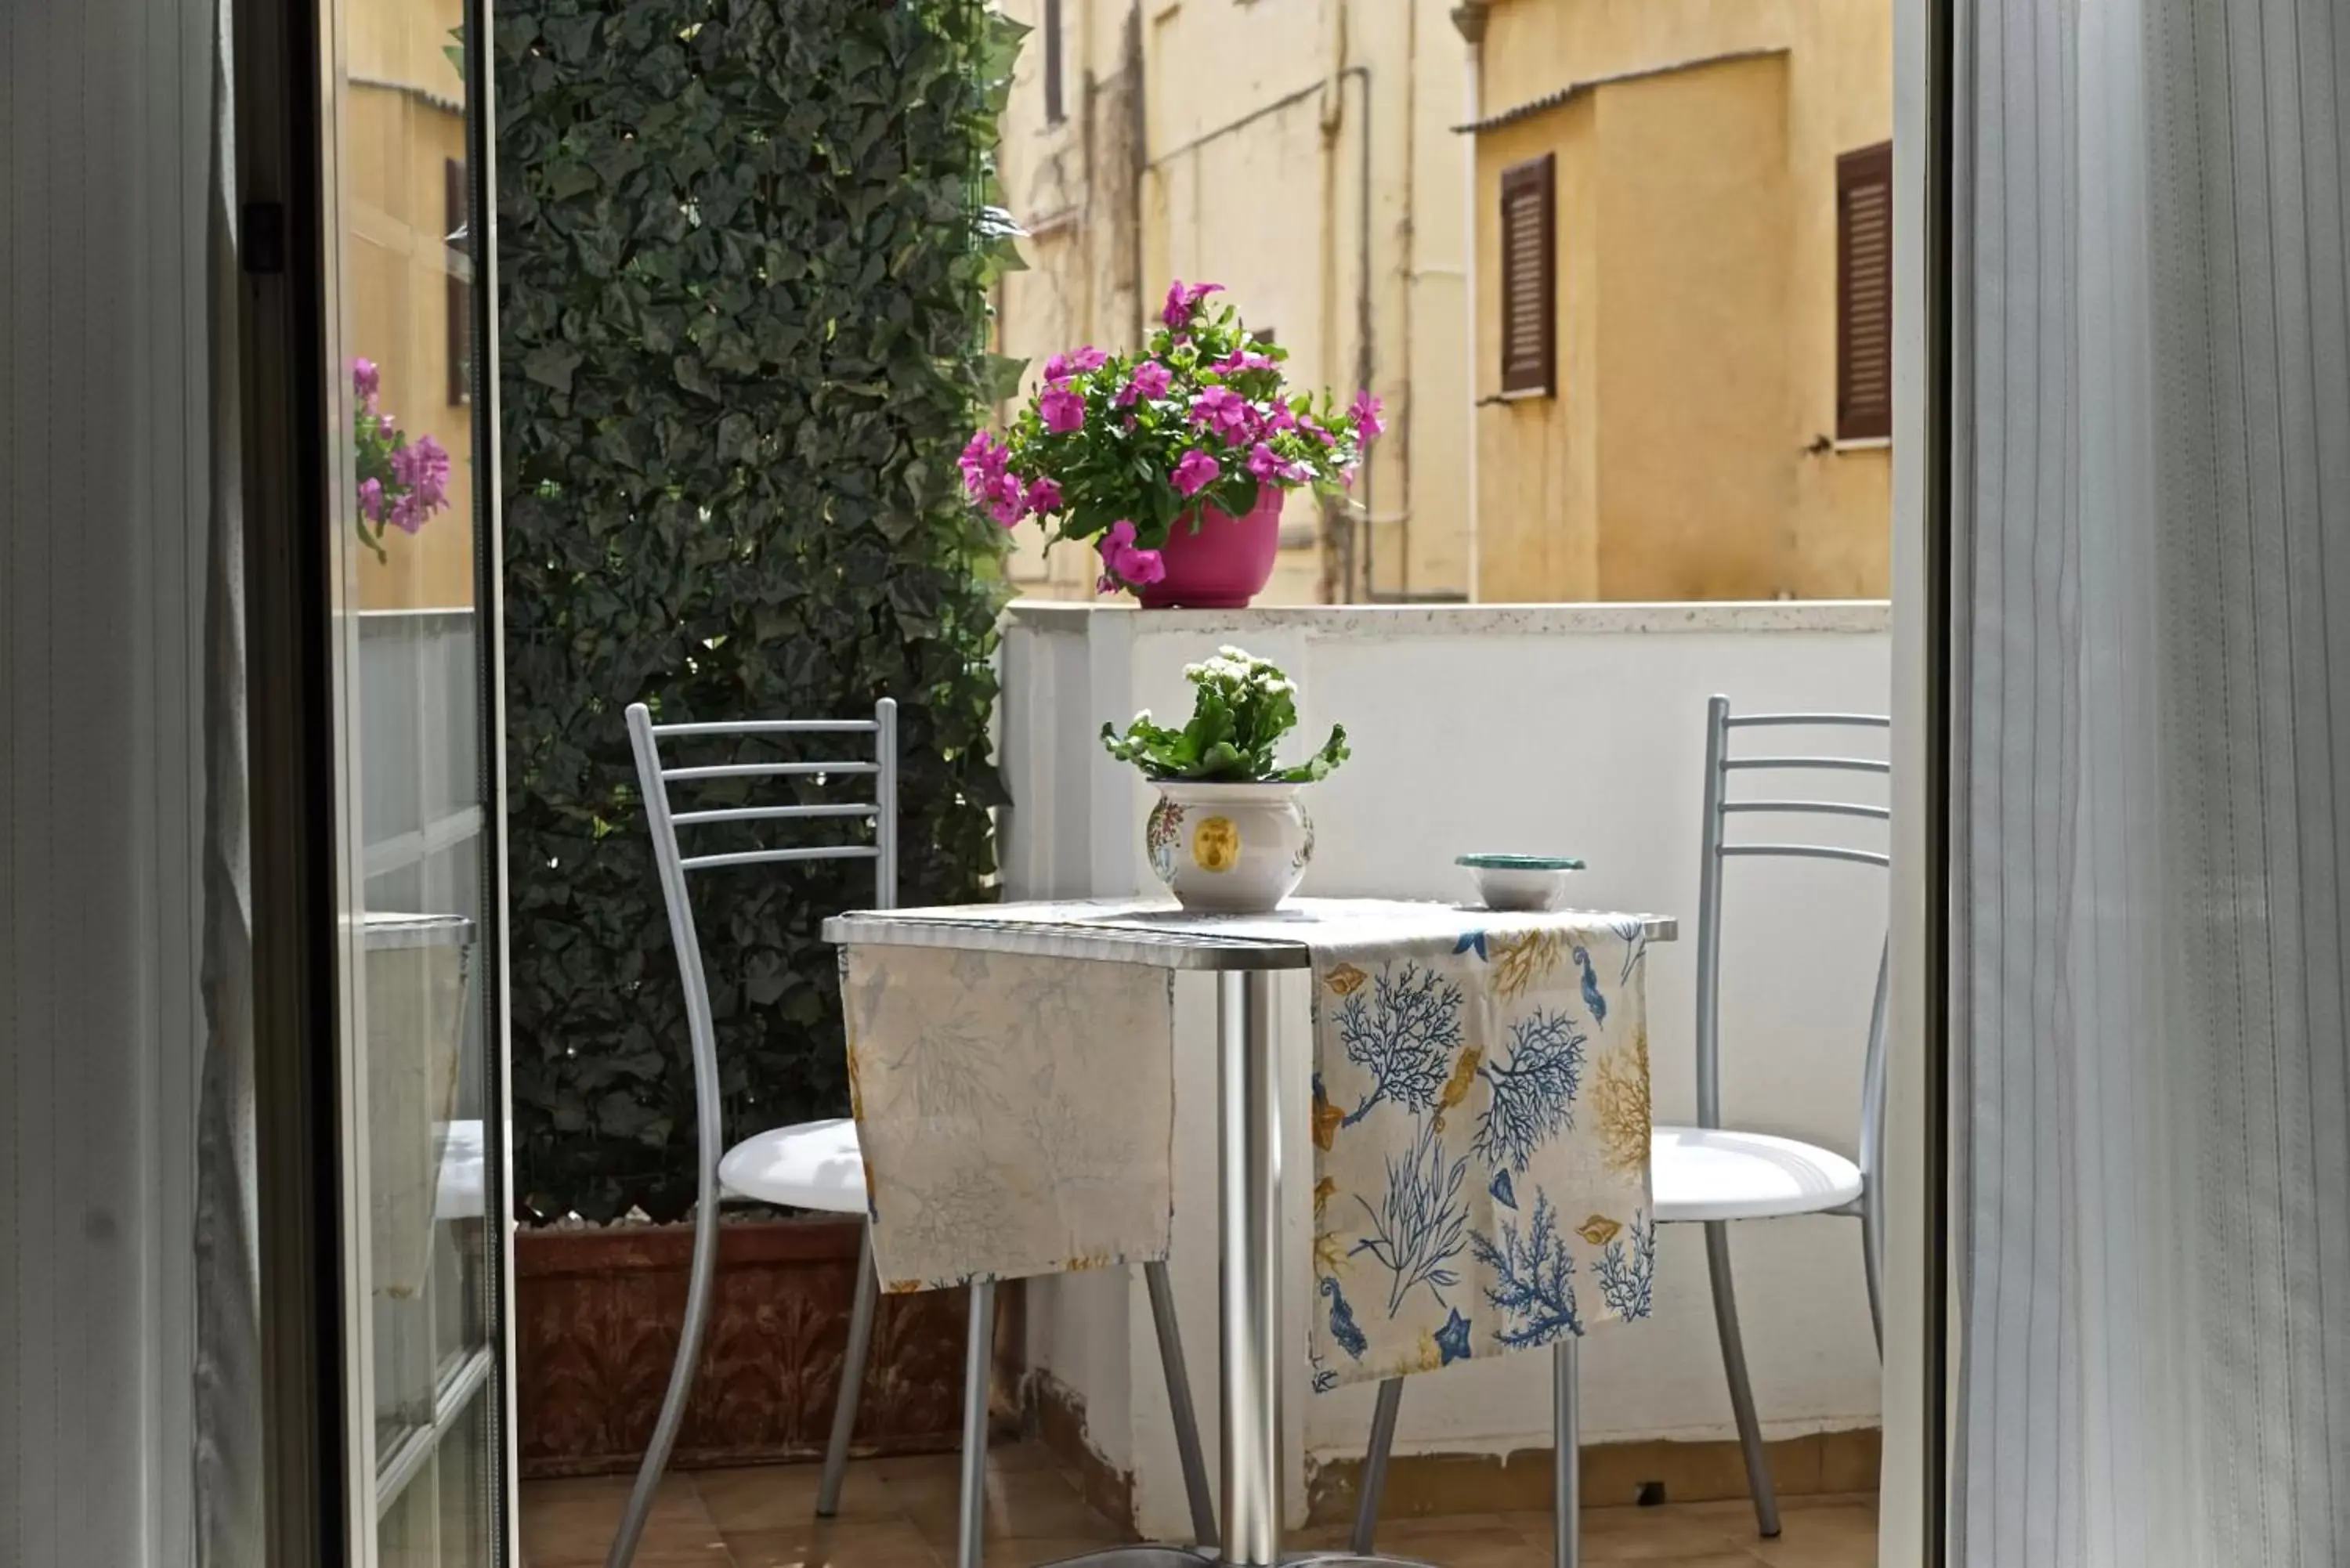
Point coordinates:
[[1480, 1121], [1480, 1144]]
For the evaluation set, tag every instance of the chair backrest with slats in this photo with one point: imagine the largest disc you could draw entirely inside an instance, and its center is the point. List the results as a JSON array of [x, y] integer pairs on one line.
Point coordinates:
[[1721, 768], [879, 733]]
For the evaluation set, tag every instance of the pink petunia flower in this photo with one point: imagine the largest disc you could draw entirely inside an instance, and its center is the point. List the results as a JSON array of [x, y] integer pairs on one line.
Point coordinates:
[[1150, 380], [1007, 499], [372, 499], [1195, 473], [1365, 413], [1060, 410], [422, 467], [1061, 367], [1184, 301], [982, 459], [365, 378], [1126, 565], [1269, 464], [1043, 495], [1222, 409], [1241, 359]]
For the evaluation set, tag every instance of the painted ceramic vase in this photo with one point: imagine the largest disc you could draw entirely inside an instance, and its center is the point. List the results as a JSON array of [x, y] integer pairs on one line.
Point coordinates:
[[1229, 848]]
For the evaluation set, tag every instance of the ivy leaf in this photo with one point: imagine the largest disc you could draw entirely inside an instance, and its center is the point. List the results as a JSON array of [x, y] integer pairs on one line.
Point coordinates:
[[552, 364]]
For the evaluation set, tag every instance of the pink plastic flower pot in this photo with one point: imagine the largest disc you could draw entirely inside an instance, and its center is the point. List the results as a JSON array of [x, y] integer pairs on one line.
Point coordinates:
[[1224, 564]]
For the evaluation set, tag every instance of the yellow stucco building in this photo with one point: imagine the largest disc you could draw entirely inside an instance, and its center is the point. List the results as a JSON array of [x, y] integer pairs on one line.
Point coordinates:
[[1702, 436], [405, 294], [1692, 432], [1293, 151]]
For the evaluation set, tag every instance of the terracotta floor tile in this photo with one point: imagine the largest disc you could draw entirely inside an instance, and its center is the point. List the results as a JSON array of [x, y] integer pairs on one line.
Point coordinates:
[[1035, 1504], [1461, 1541], [783, 1497], [1034, 1550], [1836, 1537], [1637, 1534], [902, 1513], [568, 1522], [835, 1543], [1738, 1513]]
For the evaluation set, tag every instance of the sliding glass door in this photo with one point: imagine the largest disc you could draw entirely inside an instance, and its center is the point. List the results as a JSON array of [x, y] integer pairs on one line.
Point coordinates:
[[415, 541]]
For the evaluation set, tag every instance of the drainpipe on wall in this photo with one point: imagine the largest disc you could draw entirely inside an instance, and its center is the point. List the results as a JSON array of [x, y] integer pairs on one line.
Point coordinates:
[[1138, 163], [1469, 17]]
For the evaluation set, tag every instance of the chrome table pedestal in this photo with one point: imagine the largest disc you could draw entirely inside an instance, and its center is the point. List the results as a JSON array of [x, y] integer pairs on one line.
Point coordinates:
[[1243, 952]]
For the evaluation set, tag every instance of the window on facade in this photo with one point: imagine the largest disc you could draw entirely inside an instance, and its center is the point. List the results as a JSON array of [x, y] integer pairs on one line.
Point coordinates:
[[1055, 109], [1529, 297], [1864, 293], [460, 291]]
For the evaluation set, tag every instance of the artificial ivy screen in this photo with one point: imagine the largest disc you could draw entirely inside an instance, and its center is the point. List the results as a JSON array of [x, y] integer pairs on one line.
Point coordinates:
[[742, 287]]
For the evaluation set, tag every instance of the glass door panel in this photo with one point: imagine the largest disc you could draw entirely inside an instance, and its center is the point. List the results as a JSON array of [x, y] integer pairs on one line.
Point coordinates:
[[425, 1070]]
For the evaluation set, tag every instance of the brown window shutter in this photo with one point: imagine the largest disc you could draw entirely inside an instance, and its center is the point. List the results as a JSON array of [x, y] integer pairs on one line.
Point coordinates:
[[1530, 277], [1864, 293], [1055, 105], [454, 201]]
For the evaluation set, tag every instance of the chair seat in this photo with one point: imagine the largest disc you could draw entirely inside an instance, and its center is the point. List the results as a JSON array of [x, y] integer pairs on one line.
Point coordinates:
[[1704, 1173], [460, 1195], [814, 1165]]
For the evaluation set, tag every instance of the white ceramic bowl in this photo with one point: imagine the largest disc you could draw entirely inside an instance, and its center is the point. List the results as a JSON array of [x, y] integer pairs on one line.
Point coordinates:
[[1521, 881]]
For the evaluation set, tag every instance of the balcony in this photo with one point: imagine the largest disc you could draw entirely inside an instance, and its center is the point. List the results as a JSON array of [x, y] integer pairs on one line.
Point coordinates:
[[1569, 728]]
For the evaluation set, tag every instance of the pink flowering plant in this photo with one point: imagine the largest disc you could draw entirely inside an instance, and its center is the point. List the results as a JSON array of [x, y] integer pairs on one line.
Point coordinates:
[[1122, 448], [402, 481]]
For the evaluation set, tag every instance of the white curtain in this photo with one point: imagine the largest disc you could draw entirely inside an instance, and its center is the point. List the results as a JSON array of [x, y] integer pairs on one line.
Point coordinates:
[[228, 1422], [2153, 845], [115, 508]]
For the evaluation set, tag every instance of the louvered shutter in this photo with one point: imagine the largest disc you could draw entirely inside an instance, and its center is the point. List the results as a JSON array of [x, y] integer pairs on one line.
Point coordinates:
[[1529, 297], [1056, 109], [1864, 293]]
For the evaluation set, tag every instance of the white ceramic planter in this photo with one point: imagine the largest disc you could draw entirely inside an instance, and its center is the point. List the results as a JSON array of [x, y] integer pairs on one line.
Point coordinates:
[[1234, 849]]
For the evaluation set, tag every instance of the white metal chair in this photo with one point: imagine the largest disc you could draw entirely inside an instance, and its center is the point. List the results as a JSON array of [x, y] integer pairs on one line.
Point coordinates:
[[817, 1165], [1712, 1175]]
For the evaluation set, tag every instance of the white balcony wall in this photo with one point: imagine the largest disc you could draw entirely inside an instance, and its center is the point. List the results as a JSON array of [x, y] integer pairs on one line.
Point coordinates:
[[1569, 728]]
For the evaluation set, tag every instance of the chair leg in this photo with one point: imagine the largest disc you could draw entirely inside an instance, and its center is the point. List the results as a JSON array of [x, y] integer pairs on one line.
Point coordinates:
[[680, 1387], [977, 1362], [852, 1380], [1567, 1453], [1375, 1467], [1179, 1402], [1741, 1392], [1872, 1257]]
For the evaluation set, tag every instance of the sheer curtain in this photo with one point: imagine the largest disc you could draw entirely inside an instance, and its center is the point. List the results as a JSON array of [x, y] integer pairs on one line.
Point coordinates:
[[2154, 474]]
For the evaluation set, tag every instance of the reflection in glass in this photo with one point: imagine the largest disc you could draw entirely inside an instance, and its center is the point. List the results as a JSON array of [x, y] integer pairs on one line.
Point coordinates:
[[419, 779]]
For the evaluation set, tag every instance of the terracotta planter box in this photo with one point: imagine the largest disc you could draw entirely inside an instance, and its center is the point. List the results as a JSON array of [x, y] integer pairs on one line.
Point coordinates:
[[598, 1318]]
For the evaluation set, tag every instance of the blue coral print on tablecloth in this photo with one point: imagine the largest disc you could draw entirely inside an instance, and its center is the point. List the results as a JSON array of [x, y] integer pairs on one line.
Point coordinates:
[[1420, 1224], [1463, 1206], [1404, 1033], [1531, 1093], [1533, 1280]]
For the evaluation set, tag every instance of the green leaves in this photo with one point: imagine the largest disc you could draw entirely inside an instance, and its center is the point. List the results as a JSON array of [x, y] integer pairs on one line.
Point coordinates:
[[1243, 708], [742, 277]]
